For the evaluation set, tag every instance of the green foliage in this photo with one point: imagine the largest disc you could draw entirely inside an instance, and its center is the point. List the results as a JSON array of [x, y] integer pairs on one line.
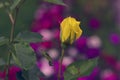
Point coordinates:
[[28, 37], [1, 5], [15, 4], [3, 41], [4, 53], [2, 62], [22, 53], [24, 56], [24, 17], [80, 68], [59, 2], [4, 3], [31, 74]]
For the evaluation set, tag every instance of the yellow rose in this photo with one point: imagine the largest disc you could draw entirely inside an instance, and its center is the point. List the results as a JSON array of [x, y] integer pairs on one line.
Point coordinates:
[[70, 30]]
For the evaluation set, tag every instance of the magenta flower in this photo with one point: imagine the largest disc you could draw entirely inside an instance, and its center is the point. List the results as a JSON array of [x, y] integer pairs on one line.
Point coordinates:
[[109, 59], [92, 76], [115, 39], [94, 23], [12, 72], [83, 48], [2, 74], [47, 17], [109, 75]]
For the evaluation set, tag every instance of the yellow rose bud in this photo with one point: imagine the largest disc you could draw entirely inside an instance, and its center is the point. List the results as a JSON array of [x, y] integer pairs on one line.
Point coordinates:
[[70, 30]]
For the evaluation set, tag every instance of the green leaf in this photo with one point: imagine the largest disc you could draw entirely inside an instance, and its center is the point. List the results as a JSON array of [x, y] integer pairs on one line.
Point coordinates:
[[34, 73], [80, 68], [31, 74], [28, 37], [15, 3], [24, 57], [3, 41], [1, 5], [4, 53], [2, 62], [4, 3], [59, 2], [16, 59], [24, 17]]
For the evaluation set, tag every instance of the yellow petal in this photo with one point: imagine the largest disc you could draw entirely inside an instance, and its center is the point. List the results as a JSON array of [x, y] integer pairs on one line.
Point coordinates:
[[72, 36], [79, 33], [76, 28], [65, 33], [64, 23]]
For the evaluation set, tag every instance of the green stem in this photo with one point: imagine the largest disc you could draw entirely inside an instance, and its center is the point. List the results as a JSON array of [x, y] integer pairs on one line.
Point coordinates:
[[13, 21], [8, 64], [11, 40], [60, 65], [12, 28]]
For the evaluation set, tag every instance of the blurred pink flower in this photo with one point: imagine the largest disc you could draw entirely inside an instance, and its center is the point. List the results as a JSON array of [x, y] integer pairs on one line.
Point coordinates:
[[53, 53], [94, 42], [83, 48], [117, 66], [73, 52], [45, 68], [47, 17], [108, 75], [47, 34], [67, 61]]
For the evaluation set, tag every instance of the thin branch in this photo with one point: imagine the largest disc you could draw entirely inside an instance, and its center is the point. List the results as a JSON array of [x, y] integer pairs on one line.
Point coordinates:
[[13, 22]]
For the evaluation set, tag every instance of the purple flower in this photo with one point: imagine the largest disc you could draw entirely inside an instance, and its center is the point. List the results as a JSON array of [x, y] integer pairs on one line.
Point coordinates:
[[109, 59], [42, 45], [12, 72], [92, 52], [109, 75], [94, 23], [81, 44], [83, 48], [47, 17], [2, 74], [92, 76], [115, 39], [56, 69]]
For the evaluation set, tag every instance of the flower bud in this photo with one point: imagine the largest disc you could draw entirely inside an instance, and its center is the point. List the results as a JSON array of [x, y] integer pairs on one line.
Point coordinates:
[[70, 30]]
